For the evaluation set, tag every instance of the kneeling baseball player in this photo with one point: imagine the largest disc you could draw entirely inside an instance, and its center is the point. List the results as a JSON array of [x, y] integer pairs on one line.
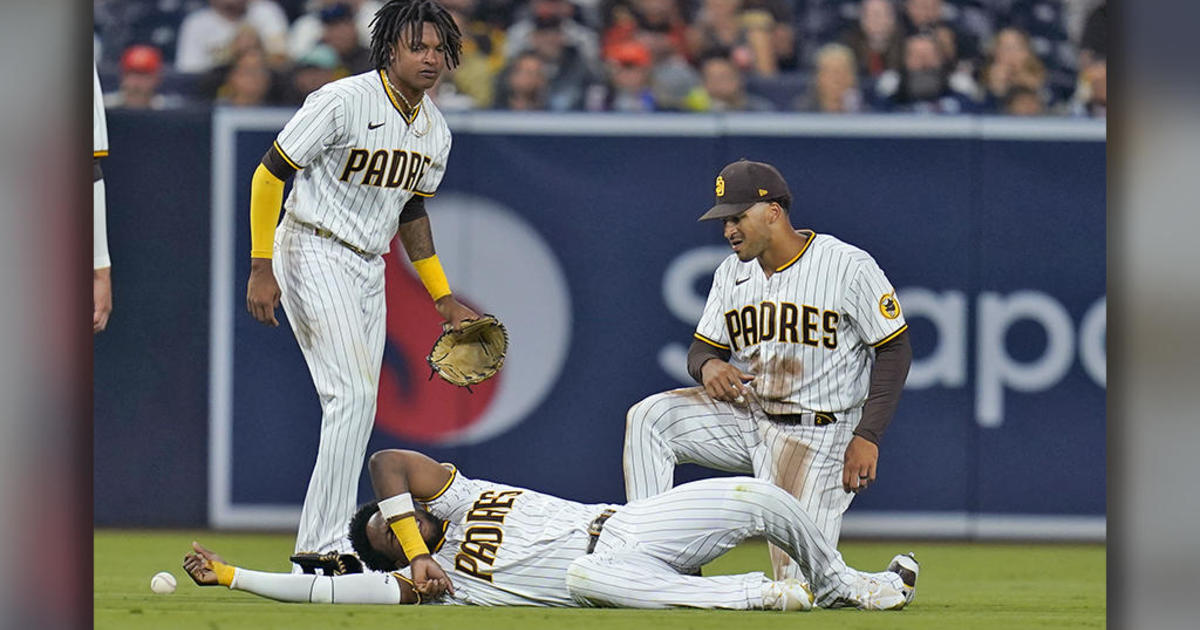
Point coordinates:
[[509, 546]]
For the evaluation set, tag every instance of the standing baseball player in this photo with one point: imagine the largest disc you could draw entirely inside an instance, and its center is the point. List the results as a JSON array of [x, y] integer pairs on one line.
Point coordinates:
[[366, 150], [511, 546], [101, 265], [802, 353]]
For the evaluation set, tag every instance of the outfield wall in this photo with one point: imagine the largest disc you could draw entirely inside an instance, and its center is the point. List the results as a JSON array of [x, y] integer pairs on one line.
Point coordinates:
[[580, 232]]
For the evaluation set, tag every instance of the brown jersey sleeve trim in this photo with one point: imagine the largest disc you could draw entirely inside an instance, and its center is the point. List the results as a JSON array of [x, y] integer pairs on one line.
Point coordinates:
[[892, 360], [711, 342], [442, 537], [279, 159], [453, 476], [890, 337]]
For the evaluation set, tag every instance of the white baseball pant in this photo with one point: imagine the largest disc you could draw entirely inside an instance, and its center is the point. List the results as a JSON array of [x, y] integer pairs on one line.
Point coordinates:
[[646, 544], [334, 300], [688, 426]]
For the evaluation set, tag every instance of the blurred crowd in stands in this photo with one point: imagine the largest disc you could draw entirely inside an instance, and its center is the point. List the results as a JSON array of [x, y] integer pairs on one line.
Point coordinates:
[[1016, 57]]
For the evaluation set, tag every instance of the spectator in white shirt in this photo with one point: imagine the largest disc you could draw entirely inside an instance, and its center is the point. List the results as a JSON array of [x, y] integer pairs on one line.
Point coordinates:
[[308, 29], [206, 34]]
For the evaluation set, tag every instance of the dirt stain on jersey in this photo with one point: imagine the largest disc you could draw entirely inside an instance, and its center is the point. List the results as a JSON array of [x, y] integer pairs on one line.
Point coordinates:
[[779, 377], [692, 393], [792, 460]]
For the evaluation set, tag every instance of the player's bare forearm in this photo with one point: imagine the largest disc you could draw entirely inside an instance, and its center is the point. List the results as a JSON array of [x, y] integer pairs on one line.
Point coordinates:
[[417, 238], [395, 472]]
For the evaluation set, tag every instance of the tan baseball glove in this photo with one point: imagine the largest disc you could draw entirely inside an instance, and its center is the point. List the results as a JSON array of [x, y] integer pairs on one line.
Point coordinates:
[[471, 355]]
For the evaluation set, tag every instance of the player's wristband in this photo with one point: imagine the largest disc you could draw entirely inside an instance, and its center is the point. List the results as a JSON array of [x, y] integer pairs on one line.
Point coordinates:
[[401, 518], [433, 277], [224, 573]]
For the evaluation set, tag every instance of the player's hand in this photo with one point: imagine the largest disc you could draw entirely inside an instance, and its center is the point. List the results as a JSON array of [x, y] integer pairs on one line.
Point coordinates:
[[724, 382], [198, 565], [454, 312], [861, 457], [262, 292], [101, 298], [428, 578]]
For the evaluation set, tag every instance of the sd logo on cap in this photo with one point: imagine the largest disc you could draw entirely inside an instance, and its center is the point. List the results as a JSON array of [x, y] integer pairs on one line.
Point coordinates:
[[743, 184]]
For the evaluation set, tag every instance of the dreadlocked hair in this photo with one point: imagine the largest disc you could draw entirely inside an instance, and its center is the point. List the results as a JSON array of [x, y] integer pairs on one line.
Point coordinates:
[[408, 18]]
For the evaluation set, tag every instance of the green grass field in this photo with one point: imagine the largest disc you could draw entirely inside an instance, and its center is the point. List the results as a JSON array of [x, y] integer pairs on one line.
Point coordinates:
[[973, 586]]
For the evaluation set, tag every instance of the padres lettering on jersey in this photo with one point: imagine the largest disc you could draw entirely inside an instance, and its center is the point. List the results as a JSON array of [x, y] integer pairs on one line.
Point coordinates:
[[483, 534], [753, 324], [509, 546], [806, 331], [404, 168], [360, 159]]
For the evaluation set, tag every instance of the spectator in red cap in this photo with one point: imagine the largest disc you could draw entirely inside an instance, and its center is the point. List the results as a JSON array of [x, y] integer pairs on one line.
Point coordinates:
[[141, 75], [628, 87]]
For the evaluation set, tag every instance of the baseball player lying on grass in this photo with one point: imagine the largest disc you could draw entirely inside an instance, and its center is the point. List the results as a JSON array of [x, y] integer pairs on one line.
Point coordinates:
[[511, 546]]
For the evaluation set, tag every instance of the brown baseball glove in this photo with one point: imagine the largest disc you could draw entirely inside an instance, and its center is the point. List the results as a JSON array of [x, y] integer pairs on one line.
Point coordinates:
[[471, 355], [332, 563]]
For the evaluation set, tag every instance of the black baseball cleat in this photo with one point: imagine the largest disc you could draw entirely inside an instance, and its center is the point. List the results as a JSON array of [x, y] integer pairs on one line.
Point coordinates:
[[907, 567]]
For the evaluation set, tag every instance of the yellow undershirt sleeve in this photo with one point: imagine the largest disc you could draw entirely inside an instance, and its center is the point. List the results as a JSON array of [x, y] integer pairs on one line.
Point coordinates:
[[433, 277], [266, 198]]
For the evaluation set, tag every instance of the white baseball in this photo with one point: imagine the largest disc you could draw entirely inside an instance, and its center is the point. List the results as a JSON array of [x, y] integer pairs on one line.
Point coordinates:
[[162, 583]]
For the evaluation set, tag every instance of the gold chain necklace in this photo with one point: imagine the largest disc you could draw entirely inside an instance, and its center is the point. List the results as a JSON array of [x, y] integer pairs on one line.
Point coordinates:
[[395, 91], [428, 123]]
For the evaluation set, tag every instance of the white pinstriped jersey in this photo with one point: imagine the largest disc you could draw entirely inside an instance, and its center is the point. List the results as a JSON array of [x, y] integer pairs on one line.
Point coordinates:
[[509, 546], [361, 160], [99, 123], [805, 332]]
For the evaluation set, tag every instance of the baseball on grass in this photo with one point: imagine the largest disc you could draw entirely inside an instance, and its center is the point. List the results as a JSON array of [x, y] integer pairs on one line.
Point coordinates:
[[162, 583]]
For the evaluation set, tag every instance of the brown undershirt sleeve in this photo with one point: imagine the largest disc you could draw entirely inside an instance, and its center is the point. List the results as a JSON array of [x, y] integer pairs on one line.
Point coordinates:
[[892, 361], [413, 210], [277, 164], [701, 352]]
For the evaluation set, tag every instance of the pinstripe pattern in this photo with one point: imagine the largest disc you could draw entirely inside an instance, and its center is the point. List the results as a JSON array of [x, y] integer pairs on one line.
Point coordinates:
[[839, 284], [334, 300], [830, 276], [335, 121], [686, 426], [360, 162], [542, 560], [99, 123]]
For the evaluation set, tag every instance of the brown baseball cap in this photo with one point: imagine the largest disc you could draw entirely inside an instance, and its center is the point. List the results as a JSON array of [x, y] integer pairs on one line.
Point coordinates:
[[743, 184]]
